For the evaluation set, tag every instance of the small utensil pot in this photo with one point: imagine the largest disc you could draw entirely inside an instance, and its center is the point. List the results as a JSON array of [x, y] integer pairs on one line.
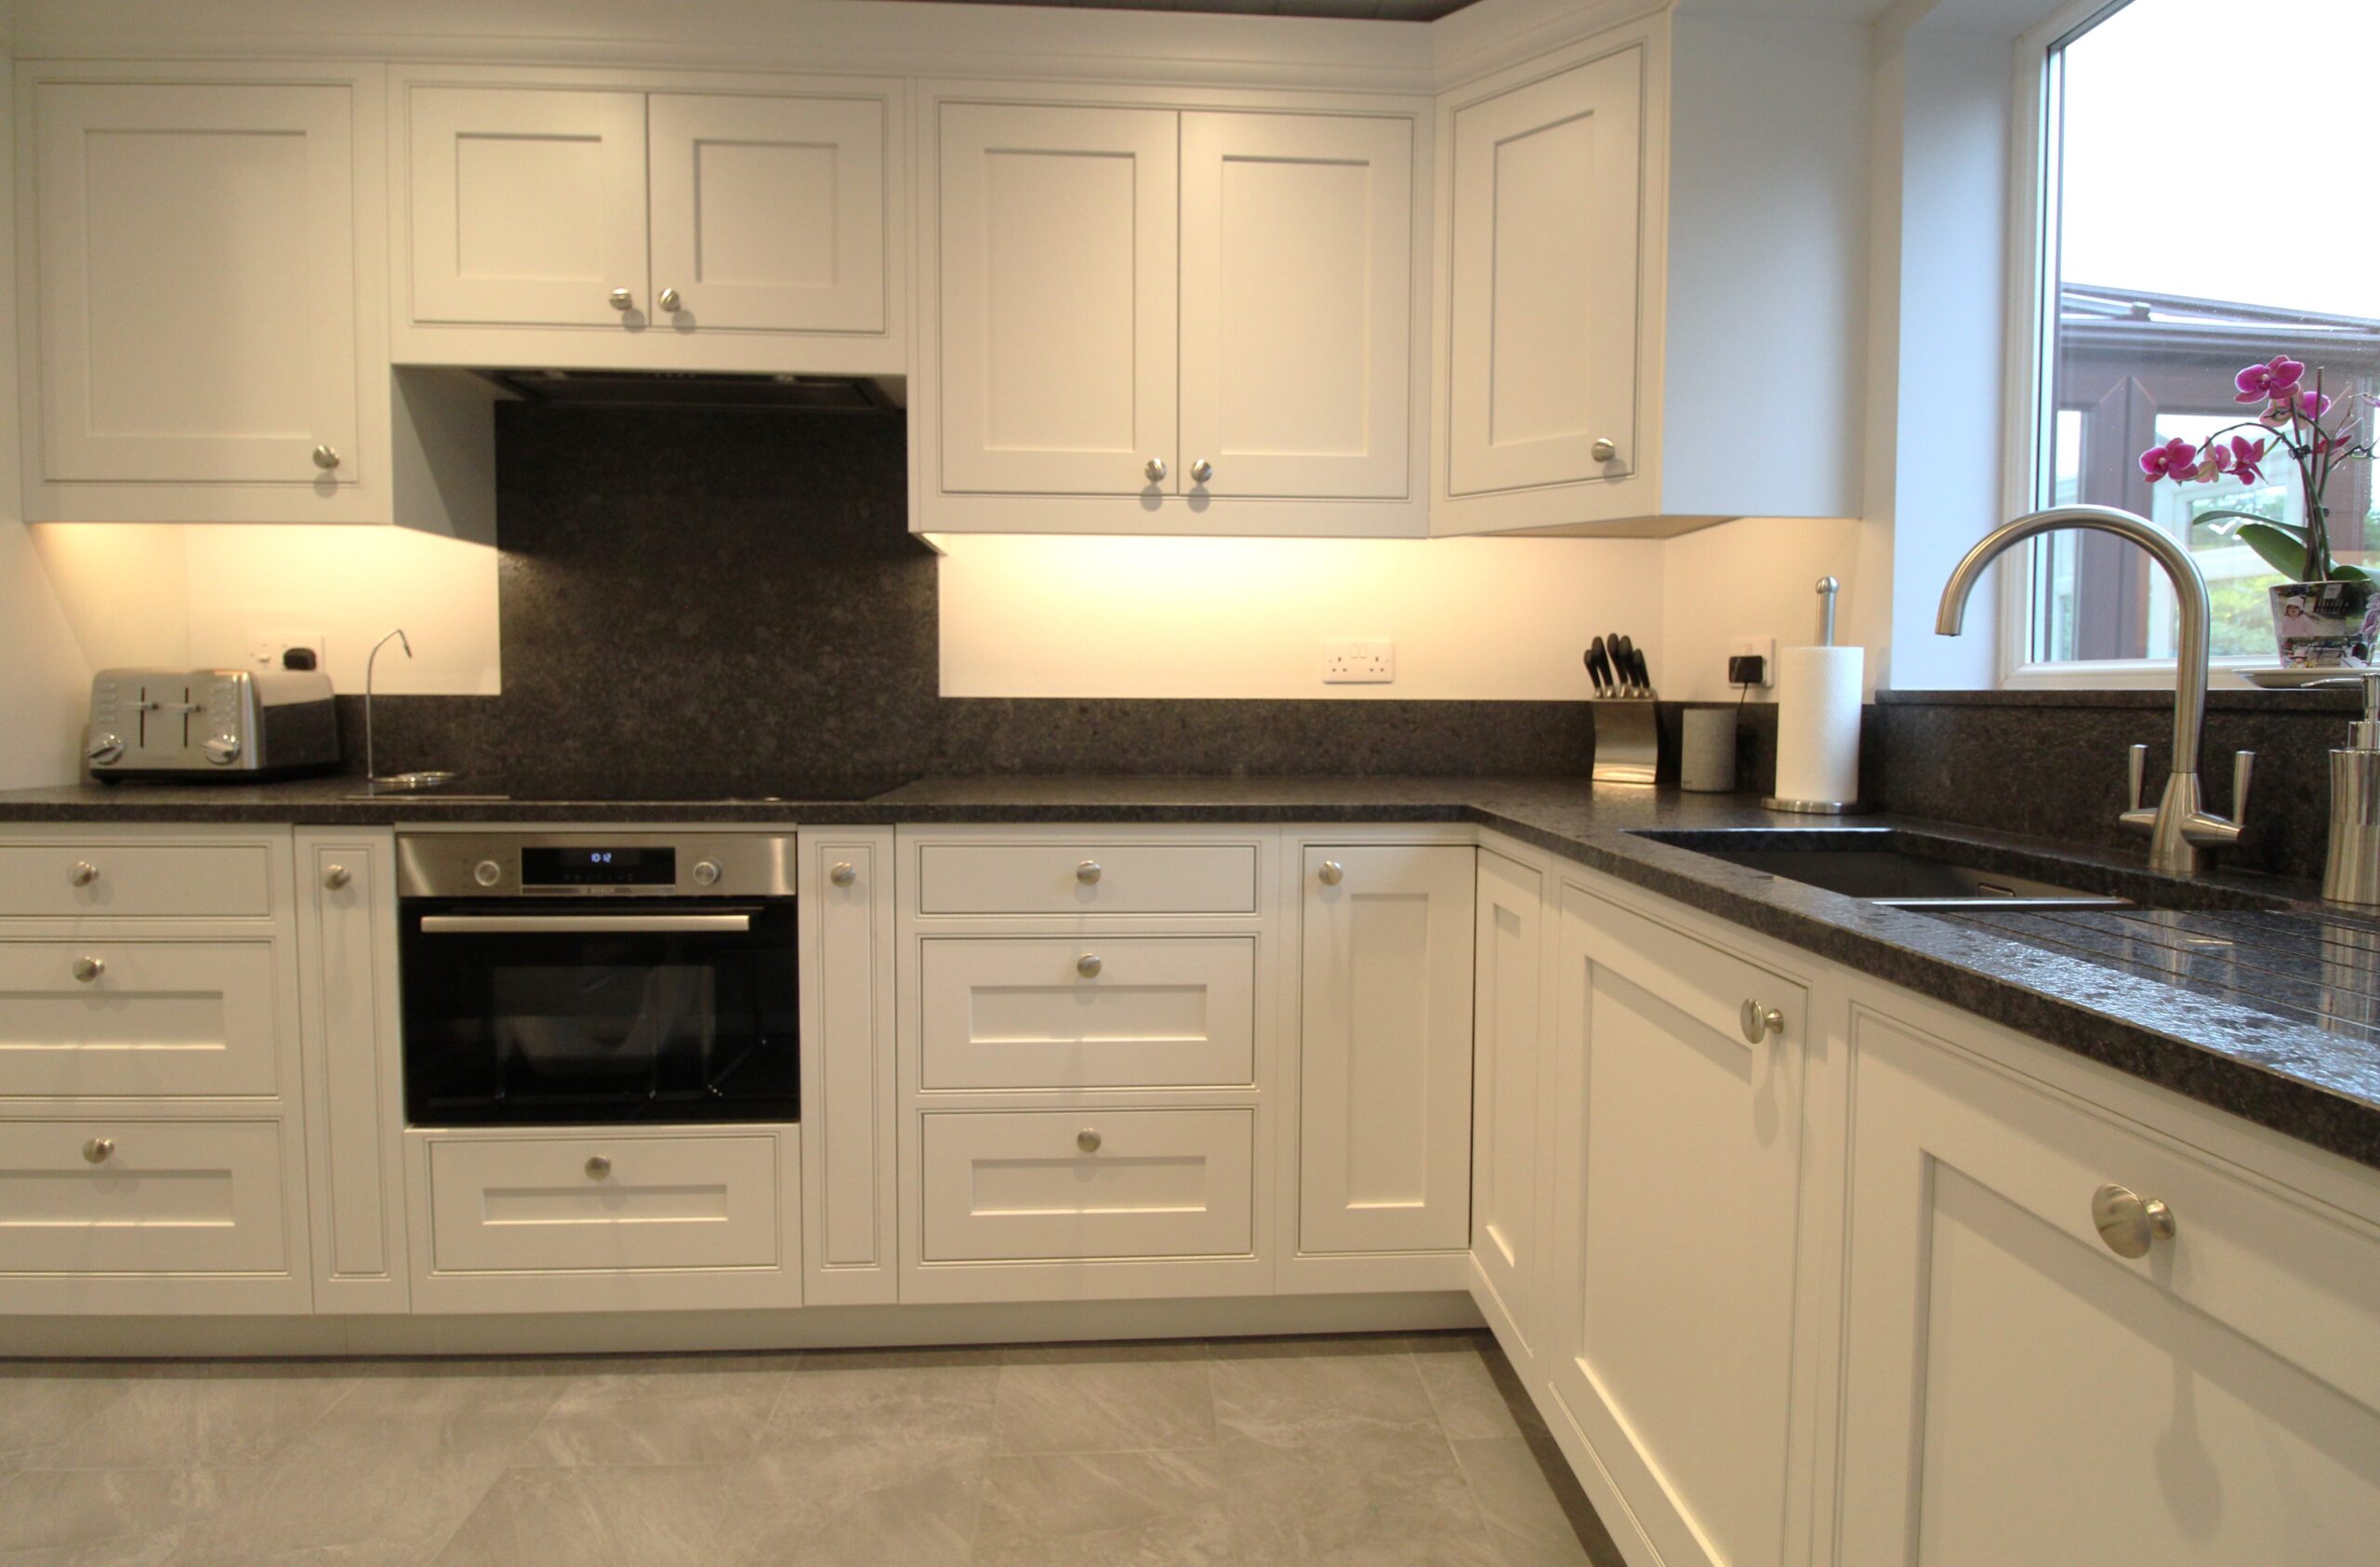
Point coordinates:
[[2326, 625]]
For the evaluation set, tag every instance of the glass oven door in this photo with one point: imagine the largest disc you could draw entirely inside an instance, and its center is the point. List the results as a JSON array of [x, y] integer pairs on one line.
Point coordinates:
[[553, 1012]]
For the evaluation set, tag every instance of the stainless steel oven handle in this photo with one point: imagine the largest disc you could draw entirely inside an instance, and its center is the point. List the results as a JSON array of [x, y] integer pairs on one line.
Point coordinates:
[[580, 924]]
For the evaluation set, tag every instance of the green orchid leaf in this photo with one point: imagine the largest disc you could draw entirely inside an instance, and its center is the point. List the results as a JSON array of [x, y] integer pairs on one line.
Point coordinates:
[[2344, 573], [2284, 548]]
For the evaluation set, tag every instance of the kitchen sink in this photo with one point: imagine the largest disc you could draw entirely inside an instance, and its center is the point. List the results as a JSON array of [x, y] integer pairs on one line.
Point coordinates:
[[1897, 869]]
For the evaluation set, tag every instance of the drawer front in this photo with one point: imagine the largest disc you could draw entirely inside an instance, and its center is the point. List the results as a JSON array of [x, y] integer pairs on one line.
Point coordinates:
[[154, 1020], [1138, 1013], [1022, 1187], [603, 1205], [1709, 984], [1087, 879], [135, 880], [200, 1197]]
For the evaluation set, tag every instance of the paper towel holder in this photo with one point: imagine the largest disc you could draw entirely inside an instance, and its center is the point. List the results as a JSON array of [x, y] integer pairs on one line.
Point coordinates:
[[1827, 587]]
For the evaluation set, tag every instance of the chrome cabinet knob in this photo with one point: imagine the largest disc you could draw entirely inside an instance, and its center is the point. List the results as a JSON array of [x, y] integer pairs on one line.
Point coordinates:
[[221, 749], [96, 1151], [326, 458], [1087, 872], [668, 299], [1202, 471], [1604, 449], [88, 969], [1087, 1140], [707, 872], [845, 874], [1331, 874], [1156, 470], [2128, 1222], [598, 1167], [1758, 1022], [83, 873], [1088, 965], [336, 876], [622, 300]]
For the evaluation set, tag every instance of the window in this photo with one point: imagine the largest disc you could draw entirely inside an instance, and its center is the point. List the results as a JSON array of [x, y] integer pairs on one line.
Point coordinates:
[[2204, 206]]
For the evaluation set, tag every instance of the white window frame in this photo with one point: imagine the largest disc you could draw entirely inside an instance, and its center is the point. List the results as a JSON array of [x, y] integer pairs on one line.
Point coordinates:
[[2032, 326]]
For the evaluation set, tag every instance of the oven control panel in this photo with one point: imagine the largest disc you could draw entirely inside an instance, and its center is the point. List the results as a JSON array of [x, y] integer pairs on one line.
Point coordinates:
[[624, 862]]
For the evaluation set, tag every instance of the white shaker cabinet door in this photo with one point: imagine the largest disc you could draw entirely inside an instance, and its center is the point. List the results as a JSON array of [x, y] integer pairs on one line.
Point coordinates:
[[768, 213], [1297, 305], [197, 301], [1058, 333], [1508, 1092], [1384, 1061], [1543, 322], [528, 206]]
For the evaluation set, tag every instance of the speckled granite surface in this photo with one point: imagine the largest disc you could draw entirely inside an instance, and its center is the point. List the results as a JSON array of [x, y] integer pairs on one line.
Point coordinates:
[[2280, 1028]]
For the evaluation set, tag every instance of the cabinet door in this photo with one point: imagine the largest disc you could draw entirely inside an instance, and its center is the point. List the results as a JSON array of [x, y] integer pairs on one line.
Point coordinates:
[[1544, 302], [1677, 1147], [1507, 1093], [768, 213], [2017, 1391], [1385, 1076], [1297, 305], [197, 282], [347, 1021], [528, 206], [1057, 298], [848, 1239]]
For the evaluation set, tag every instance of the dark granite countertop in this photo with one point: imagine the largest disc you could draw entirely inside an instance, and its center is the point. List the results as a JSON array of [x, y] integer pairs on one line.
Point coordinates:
[[2256, 1000]]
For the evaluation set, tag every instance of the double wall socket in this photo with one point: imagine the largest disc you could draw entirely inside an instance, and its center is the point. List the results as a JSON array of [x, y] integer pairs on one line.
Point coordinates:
[[1358, 661], [265, 648]]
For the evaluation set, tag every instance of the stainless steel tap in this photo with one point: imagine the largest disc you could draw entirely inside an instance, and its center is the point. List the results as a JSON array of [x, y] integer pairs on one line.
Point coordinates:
[[2351, 869], [2180, 827]]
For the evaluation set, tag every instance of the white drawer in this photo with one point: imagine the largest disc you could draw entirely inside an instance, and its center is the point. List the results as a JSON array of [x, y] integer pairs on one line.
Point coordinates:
[[1014, 1187], [199, 1197], [1137, 1011], [64, 880], [1087, 879], [603, 1205], [158, 1020]]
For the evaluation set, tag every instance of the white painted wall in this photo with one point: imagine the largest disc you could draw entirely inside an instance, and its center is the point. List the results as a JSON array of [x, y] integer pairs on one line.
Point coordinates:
[[1756, 576]]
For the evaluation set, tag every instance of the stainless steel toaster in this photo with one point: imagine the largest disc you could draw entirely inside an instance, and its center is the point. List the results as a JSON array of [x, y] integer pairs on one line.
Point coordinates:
[[247, 724]]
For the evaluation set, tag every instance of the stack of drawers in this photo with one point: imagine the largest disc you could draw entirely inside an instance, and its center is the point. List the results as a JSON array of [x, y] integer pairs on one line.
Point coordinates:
[[1085, 1031], [150, 1154]]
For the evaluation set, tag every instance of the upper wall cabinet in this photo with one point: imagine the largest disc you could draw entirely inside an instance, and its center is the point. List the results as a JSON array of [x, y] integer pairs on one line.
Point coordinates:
[[583, 223], [1651, 248], [200, 264], [1168, 319]]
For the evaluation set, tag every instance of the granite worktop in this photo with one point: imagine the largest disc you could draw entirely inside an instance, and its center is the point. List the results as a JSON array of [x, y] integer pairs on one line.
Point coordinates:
[[2244, 994]]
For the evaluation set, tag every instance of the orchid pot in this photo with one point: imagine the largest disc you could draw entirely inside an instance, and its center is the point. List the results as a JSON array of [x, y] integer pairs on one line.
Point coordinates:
[[2325, 625]]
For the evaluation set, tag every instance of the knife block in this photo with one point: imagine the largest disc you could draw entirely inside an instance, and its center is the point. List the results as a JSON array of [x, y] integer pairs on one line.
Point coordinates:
[[1628, 740]]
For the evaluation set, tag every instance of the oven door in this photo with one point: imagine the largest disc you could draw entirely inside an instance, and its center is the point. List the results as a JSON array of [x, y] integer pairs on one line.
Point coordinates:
[[551, 1012]]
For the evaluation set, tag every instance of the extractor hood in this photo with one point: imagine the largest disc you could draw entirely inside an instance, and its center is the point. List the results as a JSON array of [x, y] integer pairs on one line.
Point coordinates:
[[695, 389]]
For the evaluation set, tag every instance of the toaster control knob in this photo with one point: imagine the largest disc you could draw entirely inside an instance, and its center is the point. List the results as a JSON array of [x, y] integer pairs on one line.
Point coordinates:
[[487, 873], [107, 749], [221, 749], [706, 872]]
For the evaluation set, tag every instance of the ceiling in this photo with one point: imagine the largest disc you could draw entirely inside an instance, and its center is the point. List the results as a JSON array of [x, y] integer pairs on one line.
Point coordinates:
[[1370, 11]]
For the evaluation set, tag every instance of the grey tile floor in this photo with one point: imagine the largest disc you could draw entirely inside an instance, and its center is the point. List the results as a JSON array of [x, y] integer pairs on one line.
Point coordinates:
[[1371, 1452]]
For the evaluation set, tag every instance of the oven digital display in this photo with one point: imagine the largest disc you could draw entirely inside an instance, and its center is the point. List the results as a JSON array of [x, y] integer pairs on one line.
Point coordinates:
[[595, 865]]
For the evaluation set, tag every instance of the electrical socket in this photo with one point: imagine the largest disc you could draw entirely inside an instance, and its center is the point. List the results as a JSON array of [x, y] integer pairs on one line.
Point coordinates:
[[1358, 661], [1763, 648], [266, 647]]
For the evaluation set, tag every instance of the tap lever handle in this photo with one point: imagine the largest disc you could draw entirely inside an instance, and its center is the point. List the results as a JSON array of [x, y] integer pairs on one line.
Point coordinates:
[[2243, 772], [2140, 773]]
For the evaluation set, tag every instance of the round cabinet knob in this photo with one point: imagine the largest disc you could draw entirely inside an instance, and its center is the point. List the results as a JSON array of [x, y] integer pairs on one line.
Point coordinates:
[[83, 873], [622, 300], [1087, 1140], [844, 873], [487, 873], [326, 458], [1156, 470], [88, 969], [336, 876], [706, 872], [104, 749], [1603, 450], [1202, 471], [96, 1151], [1087, 872], [668, 300], [221, 749], [2128, 1222], [1088, 965], [1331, 874], [1758, 1022], [597, 1167]]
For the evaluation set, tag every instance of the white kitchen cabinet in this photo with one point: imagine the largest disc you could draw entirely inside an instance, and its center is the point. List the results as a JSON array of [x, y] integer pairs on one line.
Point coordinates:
[[2017, 1390], [1384, 1048], [1508, 1094], [104, 1017], [199, 263], [1675, 1186], [849, 1187], [1646, 240], [350, 1042]]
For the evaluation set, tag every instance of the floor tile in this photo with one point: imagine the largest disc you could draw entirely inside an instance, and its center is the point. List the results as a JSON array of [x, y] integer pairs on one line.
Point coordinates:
[[1295, 1393], [221, 1414], [1103, 1398], [676, 1410], [647, 1515], [40, 1405], [48, 1509], [905, 1507], [1361, 1497], [1472, 1388], [1524, 1515], [1151, 1509]]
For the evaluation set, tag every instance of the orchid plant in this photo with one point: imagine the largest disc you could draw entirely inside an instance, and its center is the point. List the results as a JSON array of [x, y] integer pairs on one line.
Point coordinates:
[[2292, 421]]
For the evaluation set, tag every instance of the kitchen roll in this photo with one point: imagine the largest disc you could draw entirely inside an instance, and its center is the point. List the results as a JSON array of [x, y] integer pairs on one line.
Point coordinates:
[[1817, 723]]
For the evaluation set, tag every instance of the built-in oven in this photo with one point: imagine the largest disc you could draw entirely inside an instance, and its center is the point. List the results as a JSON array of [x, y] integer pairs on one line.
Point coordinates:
[[598, 978]]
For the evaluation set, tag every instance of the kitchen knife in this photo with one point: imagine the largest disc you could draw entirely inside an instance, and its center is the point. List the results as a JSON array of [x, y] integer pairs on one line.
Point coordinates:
[[1594, 666], [1626, 666], [1644, 672]]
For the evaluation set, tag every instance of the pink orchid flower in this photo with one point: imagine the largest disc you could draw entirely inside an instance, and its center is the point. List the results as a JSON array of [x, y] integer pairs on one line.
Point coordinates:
[[2247, 459], [2258, 382], [2176, 459]]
